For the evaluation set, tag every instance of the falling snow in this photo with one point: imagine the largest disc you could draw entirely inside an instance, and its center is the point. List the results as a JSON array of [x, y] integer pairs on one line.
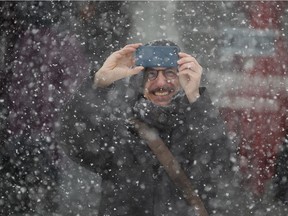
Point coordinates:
[[50, 49]]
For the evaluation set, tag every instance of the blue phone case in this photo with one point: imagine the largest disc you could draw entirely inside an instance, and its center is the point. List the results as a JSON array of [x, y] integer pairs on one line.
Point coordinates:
[[157, 56]]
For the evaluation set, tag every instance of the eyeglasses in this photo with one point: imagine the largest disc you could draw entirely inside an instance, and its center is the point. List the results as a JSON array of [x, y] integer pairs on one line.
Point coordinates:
[[169, 74]]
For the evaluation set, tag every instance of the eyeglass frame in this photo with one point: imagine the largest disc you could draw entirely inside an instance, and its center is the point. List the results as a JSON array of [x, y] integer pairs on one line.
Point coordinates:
[[173, 74]]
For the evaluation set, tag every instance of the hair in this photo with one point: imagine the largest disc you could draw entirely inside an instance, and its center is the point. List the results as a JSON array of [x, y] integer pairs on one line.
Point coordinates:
[[162, 42]]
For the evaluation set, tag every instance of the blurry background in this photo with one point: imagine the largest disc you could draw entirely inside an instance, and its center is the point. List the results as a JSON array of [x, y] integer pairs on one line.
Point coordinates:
[[48, 48]]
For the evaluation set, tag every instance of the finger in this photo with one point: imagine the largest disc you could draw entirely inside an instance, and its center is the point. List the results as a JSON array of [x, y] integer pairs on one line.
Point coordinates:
[[186, 59], [188, 66], [126, 50], [188, 73], [184, 75], [135, 45], [131, 47], [182, 54], [135, 70]]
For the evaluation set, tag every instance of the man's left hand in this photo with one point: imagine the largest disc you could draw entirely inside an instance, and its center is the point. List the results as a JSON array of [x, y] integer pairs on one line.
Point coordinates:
[[190, 73]]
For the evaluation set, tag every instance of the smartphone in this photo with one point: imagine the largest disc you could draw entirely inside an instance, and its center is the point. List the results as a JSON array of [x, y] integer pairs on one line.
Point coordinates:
[[157, 56]]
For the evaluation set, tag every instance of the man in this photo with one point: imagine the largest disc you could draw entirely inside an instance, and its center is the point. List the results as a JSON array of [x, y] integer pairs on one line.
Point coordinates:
[[97, 135]]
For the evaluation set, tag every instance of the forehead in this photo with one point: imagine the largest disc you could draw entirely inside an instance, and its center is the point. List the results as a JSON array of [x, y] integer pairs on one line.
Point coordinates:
[[162, 68]]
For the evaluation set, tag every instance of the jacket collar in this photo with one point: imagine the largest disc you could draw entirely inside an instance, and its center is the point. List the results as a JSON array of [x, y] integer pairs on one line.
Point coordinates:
[[162, 118]]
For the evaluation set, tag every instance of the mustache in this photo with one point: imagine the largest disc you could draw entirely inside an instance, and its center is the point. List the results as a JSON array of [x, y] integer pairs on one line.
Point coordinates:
[[162, 89]]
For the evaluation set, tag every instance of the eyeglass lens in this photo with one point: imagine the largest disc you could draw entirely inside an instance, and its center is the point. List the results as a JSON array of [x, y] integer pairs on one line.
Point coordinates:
[[169, 74]]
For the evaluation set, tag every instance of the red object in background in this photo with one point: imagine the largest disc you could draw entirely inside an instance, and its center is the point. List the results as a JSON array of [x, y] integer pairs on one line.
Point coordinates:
[[257, 111]]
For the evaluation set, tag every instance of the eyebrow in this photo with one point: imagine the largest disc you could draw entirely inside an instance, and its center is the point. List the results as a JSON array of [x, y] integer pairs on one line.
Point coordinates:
[[164, 68]]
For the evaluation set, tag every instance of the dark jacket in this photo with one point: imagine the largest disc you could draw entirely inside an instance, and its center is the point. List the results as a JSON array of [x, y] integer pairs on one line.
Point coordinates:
[[280, 179], [95, 133]]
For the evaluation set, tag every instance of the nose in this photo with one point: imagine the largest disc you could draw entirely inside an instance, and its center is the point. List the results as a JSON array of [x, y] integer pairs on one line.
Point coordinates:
[[161, 79]]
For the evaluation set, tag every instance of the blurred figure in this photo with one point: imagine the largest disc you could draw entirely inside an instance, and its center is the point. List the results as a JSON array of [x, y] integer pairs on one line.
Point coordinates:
[[280, 179], [46, 64], [50, 48]]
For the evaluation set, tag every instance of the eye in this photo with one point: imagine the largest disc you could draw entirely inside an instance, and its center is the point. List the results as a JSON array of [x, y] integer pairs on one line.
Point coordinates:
[[170, 73], [152, 74]]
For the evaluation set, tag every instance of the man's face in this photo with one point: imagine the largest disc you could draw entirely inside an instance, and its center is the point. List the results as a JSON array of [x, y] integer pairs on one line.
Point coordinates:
[[161, 85]]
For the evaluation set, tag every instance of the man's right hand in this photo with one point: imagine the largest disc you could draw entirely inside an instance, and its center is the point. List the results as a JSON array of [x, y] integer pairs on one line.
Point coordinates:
[[118, 65]]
